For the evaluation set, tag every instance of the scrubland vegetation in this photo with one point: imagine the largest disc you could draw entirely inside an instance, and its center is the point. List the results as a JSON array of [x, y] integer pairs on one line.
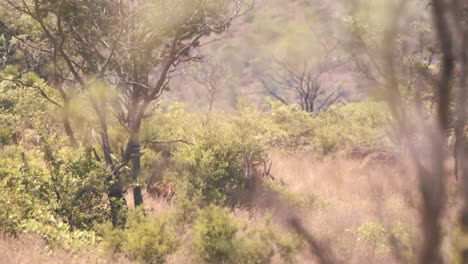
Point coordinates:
[[208, 131]]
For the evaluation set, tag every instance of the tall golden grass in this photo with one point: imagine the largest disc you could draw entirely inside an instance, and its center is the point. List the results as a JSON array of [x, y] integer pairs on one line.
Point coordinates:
[[348, 192]]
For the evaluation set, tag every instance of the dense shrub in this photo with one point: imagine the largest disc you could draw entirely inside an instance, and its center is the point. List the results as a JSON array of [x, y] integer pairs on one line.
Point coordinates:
[[146, 239], [379, 237], [352, 125], [24, 189], [5, 135], [206, 159], [60, 194], [70, 188], [78, 185], [276, 125], [58, 234], [255, 245], [208, 164], [221, 238], [214, 235], [212, 167], [342, 126], [23, 108]]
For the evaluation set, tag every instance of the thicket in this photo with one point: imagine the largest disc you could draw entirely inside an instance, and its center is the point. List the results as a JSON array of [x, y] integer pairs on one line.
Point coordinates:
[[60, 193]]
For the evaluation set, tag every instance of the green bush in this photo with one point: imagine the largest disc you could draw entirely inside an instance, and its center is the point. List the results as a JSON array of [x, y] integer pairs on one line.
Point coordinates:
[[212, 166], [352, 125], [255, 246], [214, 235], [220, 238], [28, 204], [5, 135], [24, 189], [58, 234], [378, 237], [70, 188], [23, 108], [343, 126], [288, 245], [112, 238], [209, 162], [148, 240], [78, 183], [186, 210]]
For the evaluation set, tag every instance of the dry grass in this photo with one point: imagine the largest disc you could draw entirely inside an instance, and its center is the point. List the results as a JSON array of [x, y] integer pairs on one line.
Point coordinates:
[[352, 192], [348, 193], [30, 250]]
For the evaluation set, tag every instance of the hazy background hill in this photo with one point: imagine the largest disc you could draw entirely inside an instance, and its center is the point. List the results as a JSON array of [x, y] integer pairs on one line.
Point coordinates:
[[294, 32]]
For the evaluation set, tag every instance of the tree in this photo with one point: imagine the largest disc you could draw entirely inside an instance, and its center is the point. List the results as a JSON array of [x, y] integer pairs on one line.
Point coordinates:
[[416, 54], [304, 81], [120, 55], [305, 84], [210, 76], [449, 21]]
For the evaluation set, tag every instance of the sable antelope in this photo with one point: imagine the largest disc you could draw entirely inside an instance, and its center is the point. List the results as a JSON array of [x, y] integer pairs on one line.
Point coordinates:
[[161, 190], [256, 171], [368, 155]]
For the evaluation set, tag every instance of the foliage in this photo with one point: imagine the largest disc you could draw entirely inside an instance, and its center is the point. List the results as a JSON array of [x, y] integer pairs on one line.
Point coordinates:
[[80, 74], [212, 166], [207, 159], [379, 237], [23, 108], [288, 245], [58, 234], [344, 126], [69, 188], [24, 186], [78, 182], [352, 125], [148, 240], [219, 238], [214, 235], [209, 163]]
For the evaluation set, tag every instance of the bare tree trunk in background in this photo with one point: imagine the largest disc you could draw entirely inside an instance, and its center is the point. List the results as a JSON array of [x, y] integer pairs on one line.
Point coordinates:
[[431, 172], [432, 182], [445, 40], [318, 250], [461, 166]]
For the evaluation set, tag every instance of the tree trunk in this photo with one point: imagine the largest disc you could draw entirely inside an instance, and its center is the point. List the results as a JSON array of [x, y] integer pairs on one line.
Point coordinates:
[[117, 200], [133, 150], [461, 146], [135, 145], [118, 204], [136, 171], [69, 132]]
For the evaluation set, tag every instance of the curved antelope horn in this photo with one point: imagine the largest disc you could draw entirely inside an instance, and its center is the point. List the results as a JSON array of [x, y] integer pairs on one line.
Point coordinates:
[[247, 164], [269, 166], [267, 171]]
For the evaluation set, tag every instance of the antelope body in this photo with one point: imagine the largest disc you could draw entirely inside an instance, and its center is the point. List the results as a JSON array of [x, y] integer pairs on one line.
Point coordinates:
[[256, 171], [161, 190]]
